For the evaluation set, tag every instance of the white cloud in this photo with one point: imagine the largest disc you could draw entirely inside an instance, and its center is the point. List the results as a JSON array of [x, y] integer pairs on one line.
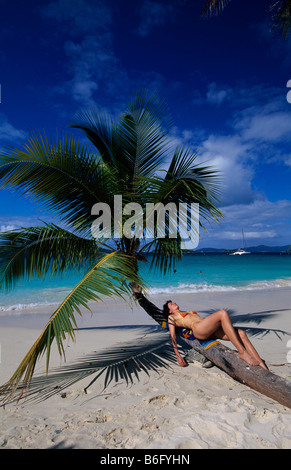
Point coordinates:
[[83, 90], [154, 14], [230, 156], [259, 130], [14, 222], [260, 213], [8, 132], [263, 222], [260, 126], [216, 95], [90, 62], [7, 228], [249, 235], [90, 59], [78, 16], [266, 126], [247, 100]]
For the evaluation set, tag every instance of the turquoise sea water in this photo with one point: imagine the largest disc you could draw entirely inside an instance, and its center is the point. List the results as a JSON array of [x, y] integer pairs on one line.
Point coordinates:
[[194, 273], [222, 272]]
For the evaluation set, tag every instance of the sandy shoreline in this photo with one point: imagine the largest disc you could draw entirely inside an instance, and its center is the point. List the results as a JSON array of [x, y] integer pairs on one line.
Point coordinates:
[[166, 408]]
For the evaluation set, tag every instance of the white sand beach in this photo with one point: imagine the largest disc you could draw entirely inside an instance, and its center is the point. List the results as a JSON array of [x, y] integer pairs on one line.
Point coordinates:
[[166, 408]]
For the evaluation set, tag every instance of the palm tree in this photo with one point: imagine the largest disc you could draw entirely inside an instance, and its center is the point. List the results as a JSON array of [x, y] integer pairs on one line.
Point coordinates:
[[281, 17], [127, 156]]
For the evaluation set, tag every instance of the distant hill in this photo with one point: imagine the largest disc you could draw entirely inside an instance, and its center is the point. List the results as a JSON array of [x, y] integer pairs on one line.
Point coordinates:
[[268, 249], [252, 249]]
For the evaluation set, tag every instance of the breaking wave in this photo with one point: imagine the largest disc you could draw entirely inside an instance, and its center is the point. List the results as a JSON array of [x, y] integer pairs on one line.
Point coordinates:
[[56, 295], [205, 287]]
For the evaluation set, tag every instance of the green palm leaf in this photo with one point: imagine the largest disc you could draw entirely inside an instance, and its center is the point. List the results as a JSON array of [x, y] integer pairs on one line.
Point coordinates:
[[124, 362], [281, 18], [61, 175], [109, 276], [136, 144], [166, 252], [34, 252], [144, 133], [187, 181], [214, 7]]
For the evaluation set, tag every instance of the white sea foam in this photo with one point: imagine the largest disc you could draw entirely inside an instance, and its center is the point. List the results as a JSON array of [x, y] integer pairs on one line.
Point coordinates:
[[42, 300], [19, 308], [205, 287]]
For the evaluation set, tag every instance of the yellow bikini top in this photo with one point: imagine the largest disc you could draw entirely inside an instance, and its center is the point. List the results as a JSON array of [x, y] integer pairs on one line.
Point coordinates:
[[184, 314]]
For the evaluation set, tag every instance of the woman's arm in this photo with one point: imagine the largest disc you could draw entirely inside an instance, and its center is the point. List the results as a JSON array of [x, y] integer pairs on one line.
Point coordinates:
[[172, 330]]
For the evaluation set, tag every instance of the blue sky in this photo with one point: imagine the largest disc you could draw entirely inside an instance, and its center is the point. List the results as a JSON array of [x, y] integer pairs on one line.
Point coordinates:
[[224, 80]]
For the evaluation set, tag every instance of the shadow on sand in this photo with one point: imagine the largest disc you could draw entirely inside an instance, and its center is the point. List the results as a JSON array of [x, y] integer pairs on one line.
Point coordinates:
[[123, 362], [150, 352]]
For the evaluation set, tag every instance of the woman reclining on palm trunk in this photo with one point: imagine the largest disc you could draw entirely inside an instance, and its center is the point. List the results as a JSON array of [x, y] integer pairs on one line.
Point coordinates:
[[216, 326]]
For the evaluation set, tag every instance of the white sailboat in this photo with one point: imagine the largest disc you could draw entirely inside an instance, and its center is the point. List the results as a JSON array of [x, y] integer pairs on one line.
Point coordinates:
[[241, 251]]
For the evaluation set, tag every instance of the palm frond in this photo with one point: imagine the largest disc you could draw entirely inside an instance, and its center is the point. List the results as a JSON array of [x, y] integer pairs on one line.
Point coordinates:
[[200, 183], [255, 331], [214, 7], [63, 176], [99, 128], [102, 131], [133, 147], [143, 130], [109, 276], [34, 252], [122, 363], [188, 182], [281, 18], [166, 253], [185, 182]]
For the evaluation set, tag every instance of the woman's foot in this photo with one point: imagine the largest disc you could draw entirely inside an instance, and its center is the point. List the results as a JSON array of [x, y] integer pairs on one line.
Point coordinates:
[[263, 365], [245, 356], [248, 359]]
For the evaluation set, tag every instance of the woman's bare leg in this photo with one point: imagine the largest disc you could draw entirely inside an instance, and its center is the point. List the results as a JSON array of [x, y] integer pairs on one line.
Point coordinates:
[[212, 325], [246, 343], [250, 348]]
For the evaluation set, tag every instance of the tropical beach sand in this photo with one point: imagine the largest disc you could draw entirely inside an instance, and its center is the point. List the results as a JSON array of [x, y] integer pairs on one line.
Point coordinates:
[[170, 408]]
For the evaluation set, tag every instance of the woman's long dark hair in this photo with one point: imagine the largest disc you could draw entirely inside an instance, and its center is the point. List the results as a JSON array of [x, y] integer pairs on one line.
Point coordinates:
[[166, 309]]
